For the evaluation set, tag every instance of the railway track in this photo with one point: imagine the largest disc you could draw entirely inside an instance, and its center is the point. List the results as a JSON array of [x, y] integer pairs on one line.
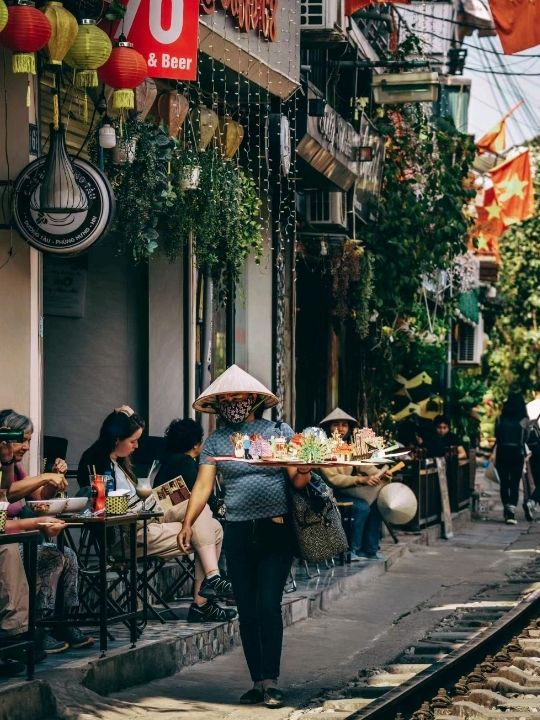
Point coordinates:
[[481, 662]]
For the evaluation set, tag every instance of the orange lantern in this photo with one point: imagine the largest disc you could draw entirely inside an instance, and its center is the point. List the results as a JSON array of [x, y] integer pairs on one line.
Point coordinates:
[[27, 31], [124, 71]]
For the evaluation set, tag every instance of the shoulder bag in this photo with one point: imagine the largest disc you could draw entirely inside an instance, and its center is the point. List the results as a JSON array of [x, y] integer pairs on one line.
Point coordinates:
[[317, 522]]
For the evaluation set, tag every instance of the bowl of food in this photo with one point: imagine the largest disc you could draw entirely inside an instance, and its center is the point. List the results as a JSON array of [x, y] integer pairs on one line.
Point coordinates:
[[75, 504], [47, 507]]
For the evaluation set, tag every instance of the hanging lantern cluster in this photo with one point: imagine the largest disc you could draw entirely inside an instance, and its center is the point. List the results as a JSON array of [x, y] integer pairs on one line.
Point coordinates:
[[124, 71], [3, 15], [91, 49], [27, 30]]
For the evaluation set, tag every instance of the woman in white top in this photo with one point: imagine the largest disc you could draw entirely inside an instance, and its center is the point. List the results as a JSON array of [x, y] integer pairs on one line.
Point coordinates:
[[118, 439]]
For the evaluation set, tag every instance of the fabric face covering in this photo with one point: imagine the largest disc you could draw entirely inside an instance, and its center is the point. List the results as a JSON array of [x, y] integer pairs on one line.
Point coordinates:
[[236, 411]]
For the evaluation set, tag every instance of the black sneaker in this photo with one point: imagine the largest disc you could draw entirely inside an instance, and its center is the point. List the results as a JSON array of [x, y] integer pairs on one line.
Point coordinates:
[[528, 509], [509, 517], [215, 587], [209, 612], [46, 643], [74, 637]]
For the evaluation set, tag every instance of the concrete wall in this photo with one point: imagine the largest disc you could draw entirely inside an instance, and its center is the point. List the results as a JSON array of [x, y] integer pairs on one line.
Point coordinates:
[[165, 344], [97, 362], [20, 372]]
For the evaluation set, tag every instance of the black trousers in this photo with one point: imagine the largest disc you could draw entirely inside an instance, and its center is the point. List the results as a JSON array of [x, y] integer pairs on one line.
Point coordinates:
[[509, 464], [259, 557]]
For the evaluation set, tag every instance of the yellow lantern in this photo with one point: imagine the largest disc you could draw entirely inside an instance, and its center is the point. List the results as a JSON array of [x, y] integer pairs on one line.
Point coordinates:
[[64, 31], [91, 50], [231, 134], [3, 15]]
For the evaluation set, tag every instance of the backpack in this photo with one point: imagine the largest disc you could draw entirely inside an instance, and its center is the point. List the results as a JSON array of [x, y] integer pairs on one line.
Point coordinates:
[[532, 436]]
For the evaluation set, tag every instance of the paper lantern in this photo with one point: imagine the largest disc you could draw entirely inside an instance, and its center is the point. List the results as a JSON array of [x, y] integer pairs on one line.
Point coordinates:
[[91, 49], [3, 15], [173, 109], [205, 123], [27, 31], [145, 96], [64, 31], [124, 70], [231, 135]]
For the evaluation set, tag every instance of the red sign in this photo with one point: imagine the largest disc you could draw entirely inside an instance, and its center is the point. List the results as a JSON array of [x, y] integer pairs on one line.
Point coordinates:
[[166, 32], [257, 15]]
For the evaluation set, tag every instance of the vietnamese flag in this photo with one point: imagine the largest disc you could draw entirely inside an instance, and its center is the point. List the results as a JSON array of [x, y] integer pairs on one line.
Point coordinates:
[[489, 226], [494, 140], [513, 186], [517, 23], [352, 6]]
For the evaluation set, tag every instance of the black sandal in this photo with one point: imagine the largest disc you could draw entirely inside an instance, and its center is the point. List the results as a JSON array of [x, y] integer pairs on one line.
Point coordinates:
[[252, 697], [273, 698]]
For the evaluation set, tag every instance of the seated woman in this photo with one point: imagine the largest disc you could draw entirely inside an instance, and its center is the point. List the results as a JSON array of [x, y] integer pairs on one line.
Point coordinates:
[[118, 439], [183, 445], [361, 489], [52, 565], [440, 442]]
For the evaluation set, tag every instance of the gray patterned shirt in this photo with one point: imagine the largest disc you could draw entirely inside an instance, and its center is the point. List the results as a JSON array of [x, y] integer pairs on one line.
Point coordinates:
[[250, 492]]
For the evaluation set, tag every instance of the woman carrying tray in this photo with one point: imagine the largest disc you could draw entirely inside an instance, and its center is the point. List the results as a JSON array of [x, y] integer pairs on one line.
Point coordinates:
[[259, 541]]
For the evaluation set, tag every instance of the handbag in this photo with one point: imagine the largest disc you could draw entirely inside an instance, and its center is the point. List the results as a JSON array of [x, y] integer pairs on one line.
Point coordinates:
[[317, 522]]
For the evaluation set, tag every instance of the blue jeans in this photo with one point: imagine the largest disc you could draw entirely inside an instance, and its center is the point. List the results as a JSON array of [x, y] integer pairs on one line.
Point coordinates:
[[366, 531]]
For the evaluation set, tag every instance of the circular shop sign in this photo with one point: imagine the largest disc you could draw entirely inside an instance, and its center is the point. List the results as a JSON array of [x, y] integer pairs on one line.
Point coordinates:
[[62, 233]]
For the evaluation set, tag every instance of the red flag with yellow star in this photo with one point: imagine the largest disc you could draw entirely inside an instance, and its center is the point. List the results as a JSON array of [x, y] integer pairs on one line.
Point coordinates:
[[488, 227], [513, 186], [517, 23], [494, 140], [352, 6]]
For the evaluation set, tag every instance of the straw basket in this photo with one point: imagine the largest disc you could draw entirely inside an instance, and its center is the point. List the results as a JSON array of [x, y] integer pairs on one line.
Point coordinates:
[[116, 505], [3, 519]]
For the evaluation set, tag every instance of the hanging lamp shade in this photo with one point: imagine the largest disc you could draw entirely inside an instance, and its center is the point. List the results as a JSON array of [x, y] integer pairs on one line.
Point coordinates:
[[91, 49], [59, 192], [205, 123], [27, 31], [231, 135], [3, 15], [124, 70], [173, 109], [64, 30], [145, 96]]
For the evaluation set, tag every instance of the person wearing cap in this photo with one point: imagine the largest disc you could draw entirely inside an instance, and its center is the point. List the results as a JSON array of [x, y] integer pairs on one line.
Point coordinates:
[[361, 489], [259, 541]]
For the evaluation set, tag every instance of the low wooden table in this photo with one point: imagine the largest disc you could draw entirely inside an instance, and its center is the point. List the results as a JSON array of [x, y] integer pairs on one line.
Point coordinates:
[[28, 539]]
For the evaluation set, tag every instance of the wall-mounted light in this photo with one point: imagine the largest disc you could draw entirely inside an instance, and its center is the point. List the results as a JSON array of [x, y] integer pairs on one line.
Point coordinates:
[[316, 107]]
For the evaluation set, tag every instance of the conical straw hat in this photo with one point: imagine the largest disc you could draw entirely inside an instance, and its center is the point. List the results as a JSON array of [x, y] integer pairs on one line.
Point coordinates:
[[337, 415], [397, 503], [233, 380]]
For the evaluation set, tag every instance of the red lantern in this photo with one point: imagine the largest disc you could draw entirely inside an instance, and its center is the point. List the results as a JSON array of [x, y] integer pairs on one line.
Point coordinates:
[[124, 71], [26, 32]]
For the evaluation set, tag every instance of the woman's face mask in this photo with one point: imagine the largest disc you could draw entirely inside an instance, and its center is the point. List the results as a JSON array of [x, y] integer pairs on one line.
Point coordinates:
[[236, 410]]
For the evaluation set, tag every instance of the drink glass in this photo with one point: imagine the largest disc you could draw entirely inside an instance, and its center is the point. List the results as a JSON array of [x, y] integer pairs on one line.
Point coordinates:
[[143, 490]]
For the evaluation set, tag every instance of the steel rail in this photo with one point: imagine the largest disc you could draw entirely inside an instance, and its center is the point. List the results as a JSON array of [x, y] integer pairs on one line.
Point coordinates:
[[408, 697]]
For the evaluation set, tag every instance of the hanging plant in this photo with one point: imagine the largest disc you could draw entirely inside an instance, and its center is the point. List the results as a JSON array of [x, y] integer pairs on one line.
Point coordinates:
[[221, 213], [158, 209], [139, 186]]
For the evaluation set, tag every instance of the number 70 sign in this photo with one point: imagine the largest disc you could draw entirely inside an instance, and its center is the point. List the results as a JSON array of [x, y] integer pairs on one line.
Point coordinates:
[[166, 32]]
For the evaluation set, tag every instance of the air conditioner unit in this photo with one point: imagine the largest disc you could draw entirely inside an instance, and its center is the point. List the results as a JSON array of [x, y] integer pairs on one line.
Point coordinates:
[[322, 14], [470, 343], [326, 208]]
